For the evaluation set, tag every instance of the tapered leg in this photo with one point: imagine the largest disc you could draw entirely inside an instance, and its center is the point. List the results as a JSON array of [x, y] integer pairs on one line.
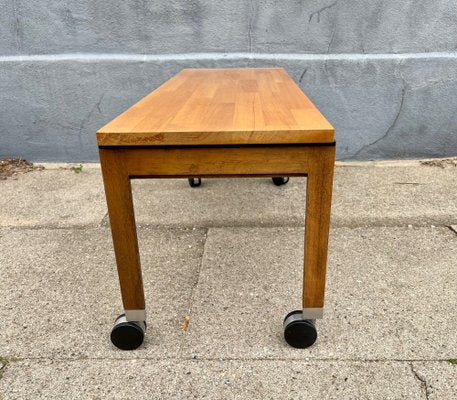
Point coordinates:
[[318, 204], [122, 220]]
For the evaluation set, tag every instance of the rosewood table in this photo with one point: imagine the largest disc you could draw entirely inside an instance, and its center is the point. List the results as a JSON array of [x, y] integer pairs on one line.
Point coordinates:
[[246, 122]]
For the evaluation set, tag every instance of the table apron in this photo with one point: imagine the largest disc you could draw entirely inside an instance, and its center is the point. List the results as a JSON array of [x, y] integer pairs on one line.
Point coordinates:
[[171, 162]]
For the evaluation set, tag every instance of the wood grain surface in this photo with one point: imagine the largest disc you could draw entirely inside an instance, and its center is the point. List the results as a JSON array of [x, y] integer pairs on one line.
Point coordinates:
[[221, 106]]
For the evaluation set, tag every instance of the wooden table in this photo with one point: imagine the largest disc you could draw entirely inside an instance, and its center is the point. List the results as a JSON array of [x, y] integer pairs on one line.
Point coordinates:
[[247, 122]]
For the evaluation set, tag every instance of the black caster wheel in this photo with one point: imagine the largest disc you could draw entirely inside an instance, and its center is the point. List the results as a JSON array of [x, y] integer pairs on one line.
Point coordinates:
[[195, 182], [127, 335], [280, 180], [298, 332]]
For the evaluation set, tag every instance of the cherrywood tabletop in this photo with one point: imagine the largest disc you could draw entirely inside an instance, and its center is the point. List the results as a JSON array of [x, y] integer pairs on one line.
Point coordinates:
[[221, 106]]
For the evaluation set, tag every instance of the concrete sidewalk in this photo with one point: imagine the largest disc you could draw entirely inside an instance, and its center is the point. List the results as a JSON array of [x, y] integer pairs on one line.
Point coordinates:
[[228, 256]]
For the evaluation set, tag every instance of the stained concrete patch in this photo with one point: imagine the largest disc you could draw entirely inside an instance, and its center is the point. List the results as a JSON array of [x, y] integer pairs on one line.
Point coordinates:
[[60, 292], [146, 379], [438, 379], [53, 198], [390, 294], [394, 196]]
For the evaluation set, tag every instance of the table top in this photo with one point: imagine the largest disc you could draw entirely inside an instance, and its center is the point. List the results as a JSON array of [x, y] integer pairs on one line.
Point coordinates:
[[230, 106]]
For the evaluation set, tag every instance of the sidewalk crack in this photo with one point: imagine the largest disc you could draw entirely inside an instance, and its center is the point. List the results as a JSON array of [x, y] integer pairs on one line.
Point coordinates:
[[197, 279], [4, 363], [423, 381], [104, 221], [187, 317]]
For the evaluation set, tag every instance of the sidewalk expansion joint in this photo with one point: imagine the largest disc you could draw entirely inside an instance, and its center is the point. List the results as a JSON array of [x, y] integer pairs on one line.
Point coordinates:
[[81, 227], [356, 225], [231, 359]]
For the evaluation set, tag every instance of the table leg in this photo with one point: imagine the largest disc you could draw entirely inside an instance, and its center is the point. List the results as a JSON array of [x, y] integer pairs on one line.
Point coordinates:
[[318, 204], [299, 326], [123, 229]]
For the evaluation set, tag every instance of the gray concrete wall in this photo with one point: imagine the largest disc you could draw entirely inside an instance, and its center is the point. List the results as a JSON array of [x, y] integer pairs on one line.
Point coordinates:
[[384, 72]]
